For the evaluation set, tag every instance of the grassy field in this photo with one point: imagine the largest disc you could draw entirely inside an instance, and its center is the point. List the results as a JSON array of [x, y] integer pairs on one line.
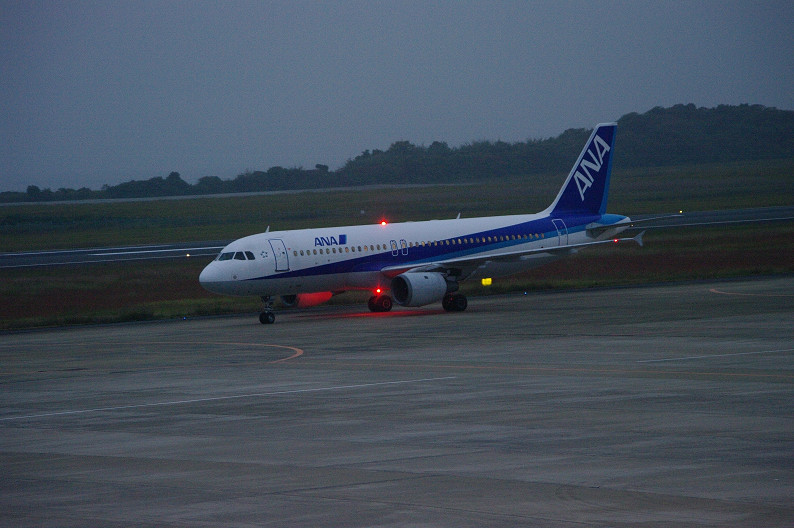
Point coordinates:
[[170, 289], [698, 188]]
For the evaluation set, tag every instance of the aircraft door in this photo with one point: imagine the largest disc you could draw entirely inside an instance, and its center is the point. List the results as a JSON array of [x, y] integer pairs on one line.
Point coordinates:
[[280, 252], [562, 231]]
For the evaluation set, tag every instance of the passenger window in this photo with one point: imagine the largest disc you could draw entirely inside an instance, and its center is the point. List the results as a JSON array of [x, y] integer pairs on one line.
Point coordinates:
[[301, 252], [249, 255], [347, 249]]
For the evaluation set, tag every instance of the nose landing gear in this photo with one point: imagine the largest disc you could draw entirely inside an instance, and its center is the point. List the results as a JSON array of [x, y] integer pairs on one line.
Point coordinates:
[[267, 316]]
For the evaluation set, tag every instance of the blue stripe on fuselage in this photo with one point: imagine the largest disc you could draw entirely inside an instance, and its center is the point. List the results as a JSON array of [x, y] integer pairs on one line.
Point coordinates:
[[418, 254]]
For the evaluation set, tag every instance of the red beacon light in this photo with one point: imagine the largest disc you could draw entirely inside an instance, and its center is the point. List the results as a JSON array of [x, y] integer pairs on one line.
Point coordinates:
[[383, 222]]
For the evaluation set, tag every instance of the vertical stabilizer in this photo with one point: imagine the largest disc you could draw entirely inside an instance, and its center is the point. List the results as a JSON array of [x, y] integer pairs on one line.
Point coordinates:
[[585, 191]]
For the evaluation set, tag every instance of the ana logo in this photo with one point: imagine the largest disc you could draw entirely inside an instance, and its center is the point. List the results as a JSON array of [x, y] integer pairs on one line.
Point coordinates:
[[583, 179], [330, 241]]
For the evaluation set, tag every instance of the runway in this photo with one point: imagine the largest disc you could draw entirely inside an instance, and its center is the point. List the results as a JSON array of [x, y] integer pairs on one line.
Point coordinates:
[[655, 406], [211, 248], [105, 255]]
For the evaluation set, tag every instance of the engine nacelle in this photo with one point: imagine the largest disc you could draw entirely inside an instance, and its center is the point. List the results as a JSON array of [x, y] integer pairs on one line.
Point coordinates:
[[418, 288], [305, 300]]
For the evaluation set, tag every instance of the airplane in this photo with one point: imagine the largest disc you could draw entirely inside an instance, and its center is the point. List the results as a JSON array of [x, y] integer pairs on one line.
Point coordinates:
[[419, 263]]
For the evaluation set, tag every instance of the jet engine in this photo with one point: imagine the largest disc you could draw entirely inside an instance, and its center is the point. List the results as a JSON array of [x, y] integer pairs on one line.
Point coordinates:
[[305, 300], [419, 288]]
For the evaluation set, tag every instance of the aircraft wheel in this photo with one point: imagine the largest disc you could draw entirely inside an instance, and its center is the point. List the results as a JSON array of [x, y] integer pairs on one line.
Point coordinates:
[[446, 302], [454, 302], [267, 318], [384, 303], [460, 302]]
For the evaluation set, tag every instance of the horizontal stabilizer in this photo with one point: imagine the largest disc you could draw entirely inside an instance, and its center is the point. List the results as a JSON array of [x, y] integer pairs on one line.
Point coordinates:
[[638, 238]]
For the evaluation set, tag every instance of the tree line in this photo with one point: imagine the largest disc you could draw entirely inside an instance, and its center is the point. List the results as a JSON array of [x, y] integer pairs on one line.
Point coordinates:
[[679, 135]]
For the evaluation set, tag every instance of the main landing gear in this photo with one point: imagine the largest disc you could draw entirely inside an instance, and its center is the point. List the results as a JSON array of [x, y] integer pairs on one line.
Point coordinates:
[[454, 302], [267, 316], [380, 303]]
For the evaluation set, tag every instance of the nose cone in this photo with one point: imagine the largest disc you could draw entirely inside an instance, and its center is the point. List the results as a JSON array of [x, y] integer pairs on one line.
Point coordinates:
[[210, 279]]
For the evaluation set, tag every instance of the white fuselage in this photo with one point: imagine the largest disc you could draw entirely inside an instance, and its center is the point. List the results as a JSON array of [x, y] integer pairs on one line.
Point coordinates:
[[366, 256]]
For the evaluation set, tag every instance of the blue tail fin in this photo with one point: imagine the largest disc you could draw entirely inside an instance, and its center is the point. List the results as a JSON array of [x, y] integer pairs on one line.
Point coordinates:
[[585, 191]]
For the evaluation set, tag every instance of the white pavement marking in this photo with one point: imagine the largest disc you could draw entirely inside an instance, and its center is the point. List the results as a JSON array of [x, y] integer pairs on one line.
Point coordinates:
[[220, 398], [709, 356]]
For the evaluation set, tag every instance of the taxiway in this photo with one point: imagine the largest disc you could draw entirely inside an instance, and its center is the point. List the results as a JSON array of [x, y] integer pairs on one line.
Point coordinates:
[[653, 406], [210, 248]]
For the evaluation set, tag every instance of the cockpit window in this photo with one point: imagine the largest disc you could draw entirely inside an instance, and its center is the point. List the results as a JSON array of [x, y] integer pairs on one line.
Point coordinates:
[[239, 256], [226, 256], [249, 255]]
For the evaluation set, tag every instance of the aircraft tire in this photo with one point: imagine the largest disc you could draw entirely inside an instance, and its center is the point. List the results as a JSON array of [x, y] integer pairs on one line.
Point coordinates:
[[445, 302], [381, 303], [384, 303], [267, 318], [454, 302]]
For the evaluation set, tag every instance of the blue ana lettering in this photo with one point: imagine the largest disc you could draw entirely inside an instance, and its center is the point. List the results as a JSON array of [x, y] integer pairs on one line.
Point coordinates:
[[330, 241]]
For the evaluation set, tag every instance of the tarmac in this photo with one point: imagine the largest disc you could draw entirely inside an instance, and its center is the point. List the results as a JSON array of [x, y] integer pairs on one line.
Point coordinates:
[[666, 405]]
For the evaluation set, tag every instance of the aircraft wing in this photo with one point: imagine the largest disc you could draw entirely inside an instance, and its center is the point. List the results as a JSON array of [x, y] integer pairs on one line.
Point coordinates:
[[467, 264]]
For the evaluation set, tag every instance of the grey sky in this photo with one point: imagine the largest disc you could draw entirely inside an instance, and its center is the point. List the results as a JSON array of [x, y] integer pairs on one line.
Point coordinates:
[[104, 92]]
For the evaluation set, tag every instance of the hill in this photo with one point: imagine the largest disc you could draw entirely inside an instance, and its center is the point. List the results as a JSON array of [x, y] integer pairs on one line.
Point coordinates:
[[680, 135]]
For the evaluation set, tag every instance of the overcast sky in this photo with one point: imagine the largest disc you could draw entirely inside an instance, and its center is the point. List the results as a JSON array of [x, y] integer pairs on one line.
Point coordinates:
[[104, 92]]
